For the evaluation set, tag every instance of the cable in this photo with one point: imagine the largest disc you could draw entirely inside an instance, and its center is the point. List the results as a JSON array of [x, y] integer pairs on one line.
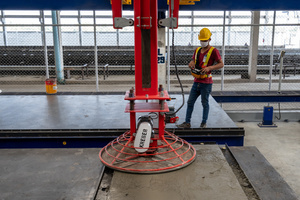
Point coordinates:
[[153, 115], [176, 70], [279, 118]]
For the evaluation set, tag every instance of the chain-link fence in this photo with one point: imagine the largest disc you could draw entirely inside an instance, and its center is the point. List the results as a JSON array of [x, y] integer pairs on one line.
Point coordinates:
[[237, 30], [22, 52], [23, 47]]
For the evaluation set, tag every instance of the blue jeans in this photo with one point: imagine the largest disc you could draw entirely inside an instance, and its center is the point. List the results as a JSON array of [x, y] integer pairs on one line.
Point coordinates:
[[196, 90]]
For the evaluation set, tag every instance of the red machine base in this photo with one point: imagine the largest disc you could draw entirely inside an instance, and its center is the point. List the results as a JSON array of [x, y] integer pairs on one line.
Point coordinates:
[[171, 153]]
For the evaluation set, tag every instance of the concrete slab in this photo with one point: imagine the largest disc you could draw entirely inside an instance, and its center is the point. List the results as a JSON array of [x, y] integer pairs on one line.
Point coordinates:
[[87, 112], [266, 181], [209, 177], [29, 174], [280, 146]]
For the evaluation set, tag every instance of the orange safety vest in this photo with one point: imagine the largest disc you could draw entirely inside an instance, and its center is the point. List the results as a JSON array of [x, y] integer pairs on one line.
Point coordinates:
[[196, 72]]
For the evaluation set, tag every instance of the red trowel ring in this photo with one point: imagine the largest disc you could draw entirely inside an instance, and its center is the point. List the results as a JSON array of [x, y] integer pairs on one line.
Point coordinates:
[[170, 154]]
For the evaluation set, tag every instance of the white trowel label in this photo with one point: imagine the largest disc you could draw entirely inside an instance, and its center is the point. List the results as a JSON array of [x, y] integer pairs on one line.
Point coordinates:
[[142, 138]]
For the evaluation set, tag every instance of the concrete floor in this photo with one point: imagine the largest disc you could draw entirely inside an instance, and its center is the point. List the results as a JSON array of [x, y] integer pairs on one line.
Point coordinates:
[[208, 177], [60, 174], [280, 146]]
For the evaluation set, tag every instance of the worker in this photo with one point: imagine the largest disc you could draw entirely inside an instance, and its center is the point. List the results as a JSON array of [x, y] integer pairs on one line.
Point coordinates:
[[205, 59]]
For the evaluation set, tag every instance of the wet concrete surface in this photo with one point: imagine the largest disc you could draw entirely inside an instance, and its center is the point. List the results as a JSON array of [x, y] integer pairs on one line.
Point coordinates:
[[208, 177], [89, 112]]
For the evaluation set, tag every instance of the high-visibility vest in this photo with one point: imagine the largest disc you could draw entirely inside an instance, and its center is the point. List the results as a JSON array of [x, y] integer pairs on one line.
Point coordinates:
[[196, 72]]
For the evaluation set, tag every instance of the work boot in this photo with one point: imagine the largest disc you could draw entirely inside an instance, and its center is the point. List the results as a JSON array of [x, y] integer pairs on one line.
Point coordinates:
[[203, 125], [184, 125]]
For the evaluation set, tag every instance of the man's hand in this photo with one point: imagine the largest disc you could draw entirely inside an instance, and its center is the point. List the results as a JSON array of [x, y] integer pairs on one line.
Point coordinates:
[[205, 70], [192, 64]]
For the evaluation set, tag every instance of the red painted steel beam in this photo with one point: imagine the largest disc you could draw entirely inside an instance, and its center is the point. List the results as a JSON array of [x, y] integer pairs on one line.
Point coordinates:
[[116, 6], [145, 18]]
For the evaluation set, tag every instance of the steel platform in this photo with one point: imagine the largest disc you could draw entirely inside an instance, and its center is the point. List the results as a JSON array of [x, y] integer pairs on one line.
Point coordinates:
[[32, 112], [80, 121]]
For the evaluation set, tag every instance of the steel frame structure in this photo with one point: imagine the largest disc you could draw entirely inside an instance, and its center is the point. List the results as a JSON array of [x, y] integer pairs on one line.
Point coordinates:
[[212, 5], [89, 138]]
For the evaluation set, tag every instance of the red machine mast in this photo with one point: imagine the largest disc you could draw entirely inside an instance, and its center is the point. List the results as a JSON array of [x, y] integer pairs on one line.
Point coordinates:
[[165, 151]]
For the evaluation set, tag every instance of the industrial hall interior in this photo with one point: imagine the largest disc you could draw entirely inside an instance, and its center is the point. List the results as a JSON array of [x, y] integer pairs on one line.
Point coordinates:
[[150, 100]]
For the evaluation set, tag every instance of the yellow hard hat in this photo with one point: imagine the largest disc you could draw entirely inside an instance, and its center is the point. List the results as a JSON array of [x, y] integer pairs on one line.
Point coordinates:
[[204, 34]]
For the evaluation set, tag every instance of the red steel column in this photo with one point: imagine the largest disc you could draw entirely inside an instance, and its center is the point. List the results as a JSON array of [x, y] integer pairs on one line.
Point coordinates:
[[137, 46], [154, 64], [145, 18]]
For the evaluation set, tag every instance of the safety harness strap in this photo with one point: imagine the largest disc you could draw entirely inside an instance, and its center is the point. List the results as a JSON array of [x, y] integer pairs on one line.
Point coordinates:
[[196, 55], [195, 72], [208, 56]]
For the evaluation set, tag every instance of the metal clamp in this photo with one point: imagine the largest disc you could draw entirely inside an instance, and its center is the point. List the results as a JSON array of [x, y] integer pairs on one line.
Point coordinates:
[[170, 22], [121, 22], [139, 22]]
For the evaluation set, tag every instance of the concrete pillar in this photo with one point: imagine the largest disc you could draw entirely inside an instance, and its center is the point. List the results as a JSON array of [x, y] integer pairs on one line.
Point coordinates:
[[253, 51], [58, 47], [161, 57]]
